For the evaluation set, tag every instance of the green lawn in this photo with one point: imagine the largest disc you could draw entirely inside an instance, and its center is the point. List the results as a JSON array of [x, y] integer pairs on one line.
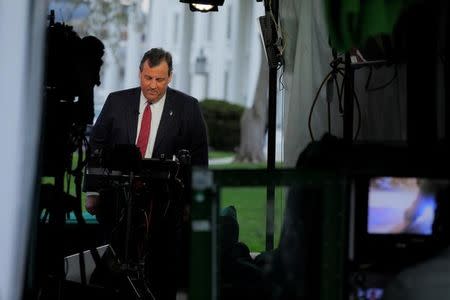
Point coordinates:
[[250, 203]]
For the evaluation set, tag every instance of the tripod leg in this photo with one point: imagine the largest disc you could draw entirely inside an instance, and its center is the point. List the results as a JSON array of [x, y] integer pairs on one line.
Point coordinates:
[[140, 289]]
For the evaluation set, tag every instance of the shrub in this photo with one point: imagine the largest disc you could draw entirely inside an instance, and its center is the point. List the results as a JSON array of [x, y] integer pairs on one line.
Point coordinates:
[[223, 121]]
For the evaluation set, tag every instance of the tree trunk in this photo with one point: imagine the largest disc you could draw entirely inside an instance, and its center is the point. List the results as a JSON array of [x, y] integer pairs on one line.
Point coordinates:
[[254, 120]]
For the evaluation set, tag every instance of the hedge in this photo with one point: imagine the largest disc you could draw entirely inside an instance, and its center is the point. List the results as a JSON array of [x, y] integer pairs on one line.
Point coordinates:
[[223, 121]]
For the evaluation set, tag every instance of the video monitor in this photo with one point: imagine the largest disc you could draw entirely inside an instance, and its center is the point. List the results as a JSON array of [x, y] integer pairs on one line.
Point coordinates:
[[401, 205], [394, 218]]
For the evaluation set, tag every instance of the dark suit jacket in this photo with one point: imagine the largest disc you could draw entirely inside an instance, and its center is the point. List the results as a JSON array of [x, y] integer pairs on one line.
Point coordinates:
[[182, 125]]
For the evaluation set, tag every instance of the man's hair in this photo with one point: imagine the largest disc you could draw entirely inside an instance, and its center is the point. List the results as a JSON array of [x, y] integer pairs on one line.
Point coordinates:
[[154, 57]]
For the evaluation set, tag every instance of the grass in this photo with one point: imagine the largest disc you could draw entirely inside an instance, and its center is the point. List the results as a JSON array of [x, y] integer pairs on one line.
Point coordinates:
[[69, 187], [250, 204]]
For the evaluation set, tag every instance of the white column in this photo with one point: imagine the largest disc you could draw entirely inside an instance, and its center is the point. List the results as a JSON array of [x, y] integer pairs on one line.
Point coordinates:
[[217, 53], [184, 47], [133, 50], [157, 33], [240, 55]]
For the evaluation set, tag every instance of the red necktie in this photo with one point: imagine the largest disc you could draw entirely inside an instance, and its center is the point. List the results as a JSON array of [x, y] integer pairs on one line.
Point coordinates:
[[144, 133]]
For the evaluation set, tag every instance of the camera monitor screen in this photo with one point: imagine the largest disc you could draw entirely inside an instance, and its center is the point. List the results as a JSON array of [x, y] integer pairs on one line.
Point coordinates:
[[401, 205], [370, 294]]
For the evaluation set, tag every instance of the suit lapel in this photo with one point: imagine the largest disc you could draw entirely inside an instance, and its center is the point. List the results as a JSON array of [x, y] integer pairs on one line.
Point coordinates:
[[167, 120], [133, 115]]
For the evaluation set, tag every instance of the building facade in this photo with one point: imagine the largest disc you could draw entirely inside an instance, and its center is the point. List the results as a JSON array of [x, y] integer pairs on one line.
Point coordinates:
[[216, 55]]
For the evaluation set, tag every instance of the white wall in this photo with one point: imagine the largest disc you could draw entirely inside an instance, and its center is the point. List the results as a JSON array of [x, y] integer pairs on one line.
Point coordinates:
[[22, 24]]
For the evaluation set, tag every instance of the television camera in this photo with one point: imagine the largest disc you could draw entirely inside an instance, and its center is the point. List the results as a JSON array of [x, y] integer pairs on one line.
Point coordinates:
[[72, 70], [72, 66]]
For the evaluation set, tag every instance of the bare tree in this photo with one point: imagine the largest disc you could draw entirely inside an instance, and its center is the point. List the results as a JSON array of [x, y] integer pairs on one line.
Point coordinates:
[[106, 20]]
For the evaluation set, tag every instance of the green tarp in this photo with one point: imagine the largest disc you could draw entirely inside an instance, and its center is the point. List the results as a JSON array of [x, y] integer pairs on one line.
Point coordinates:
[[352, 22]]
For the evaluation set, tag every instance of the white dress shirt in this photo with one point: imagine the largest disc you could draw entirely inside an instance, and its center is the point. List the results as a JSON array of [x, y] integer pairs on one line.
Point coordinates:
[[157, 109]]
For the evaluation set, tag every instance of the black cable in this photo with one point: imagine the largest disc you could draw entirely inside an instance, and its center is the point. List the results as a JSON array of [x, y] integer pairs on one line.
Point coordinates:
[[45, 216], [358, 107], [359, 114], [314, 103], [369, 77], [68, 179], [330, 95], [339, 90], [329, 117], [178, 179], [341, 107], [168, 199], [121, 214], [82, 162]]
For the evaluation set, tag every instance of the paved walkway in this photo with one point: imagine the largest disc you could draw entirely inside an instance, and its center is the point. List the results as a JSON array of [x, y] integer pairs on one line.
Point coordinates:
[[221, 161]]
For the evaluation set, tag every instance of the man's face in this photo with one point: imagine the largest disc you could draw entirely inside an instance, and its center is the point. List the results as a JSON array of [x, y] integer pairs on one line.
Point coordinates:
[[154, 80]]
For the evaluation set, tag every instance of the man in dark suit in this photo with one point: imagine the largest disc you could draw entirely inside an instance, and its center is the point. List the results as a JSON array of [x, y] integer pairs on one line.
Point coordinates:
[[181, 124], [160, 121]]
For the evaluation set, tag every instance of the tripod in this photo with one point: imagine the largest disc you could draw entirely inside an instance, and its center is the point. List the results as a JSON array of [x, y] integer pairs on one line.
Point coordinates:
[[148, 219], [146, 188], [134, 272]]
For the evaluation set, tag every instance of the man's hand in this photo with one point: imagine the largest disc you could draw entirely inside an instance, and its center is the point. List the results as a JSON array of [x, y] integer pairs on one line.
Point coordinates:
[[91, 204]]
